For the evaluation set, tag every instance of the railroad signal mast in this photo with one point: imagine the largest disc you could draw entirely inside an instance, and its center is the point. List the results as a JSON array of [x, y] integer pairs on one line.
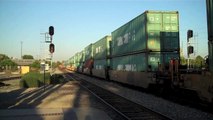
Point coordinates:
[[190, 48], [51, 46]]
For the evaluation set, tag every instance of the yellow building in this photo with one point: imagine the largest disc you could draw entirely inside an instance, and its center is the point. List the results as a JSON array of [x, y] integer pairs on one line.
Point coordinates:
[[24, 65], [25, 69]]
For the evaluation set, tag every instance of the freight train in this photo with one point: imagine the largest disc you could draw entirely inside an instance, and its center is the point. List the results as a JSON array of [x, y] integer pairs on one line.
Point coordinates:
[[144, 52]]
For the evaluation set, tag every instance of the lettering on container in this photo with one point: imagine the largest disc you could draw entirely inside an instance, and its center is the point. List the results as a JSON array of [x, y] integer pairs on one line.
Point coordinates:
[[154, 59], [120, 67], [174, 18], [126, 38], [154, 18], [127, 67], [167, 28], [121, 40], [98, 67], [98, 50], [133, 35]]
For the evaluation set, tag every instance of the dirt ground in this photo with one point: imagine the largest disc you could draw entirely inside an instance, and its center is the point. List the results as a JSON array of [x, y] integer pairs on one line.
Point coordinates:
[[10, 85]]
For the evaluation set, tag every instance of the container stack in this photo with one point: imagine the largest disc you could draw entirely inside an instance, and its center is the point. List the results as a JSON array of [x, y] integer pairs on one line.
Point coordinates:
[[101, 52], [88, 59], [148, 40], [80, 57], [72, 63], [76, 61]]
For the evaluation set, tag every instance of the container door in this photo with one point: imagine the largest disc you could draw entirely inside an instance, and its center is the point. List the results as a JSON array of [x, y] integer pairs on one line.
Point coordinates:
[[170, 33], [154, 26]]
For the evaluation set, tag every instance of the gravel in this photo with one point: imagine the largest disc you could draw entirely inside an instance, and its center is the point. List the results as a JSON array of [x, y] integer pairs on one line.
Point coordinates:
[[160, 105], [9, 85]]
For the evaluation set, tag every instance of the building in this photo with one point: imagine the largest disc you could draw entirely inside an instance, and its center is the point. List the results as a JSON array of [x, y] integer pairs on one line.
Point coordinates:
[[24, 64]]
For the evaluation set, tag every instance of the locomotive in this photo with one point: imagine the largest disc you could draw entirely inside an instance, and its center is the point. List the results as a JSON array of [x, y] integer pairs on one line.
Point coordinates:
[[145, 52]]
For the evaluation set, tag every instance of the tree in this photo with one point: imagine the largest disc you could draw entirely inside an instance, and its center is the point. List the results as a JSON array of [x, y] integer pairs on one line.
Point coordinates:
[[27, 57], [7, 62], [183, 61], [3, 57], [35, 64], [199, 61]]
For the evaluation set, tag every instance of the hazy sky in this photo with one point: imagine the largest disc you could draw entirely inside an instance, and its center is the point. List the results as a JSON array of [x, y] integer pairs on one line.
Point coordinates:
[[78, 23]]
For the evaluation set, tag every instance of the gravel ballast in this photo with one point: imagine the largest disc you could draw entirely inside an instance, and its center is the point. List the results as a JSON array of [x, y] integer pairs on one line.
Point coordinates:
[[168, 108]]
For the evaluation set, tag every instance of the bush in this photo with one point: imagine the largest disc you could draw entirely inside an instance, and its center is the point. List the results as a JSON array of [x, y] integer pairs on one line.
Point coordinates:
[[34, 79], [57, 79]]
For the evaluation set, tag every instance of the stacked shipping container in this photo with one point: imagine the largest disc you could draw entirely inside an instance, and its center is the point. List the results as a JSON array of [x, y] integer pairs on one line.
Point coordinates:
[[101, 54], [76, 61], [88, 59], [81, 59], [141, 45], [146, 41]]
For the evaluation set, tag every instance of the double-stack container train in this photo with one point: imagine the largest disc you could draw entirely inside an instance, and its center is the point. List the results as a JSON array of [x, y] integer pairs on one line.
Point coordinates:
[[144, 52]]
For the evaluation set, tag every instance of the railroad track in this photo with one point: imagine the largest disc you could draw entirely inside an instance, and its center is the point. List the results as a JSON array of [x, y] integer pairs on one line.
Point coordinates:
[[10, 78], [126, 108]]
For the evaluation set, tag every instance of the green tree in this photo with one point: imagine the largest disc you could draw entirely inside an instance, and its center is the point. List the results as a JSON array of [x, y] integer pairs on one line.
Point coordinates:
[[3, 57], [7, 62], [183, 61], [199, 61], [27, 57], [35, 64]]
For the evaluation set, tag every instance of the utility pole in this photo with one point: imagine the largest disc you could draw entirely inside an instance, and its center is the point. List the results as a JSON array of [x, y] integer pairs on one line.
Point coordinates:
[[51, 46]]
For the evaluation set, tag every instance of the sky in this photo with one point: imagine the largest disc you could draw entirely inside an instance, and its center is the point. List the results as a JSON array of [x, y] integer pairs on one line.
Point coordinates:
[[77, 23]]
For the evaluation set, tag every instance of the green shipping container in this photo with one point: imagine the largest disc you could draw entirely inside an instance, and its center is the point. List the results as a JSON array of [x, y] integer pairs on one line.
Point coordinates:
[[100, 64], [150, 31], [129, 63], [76, 57], [140, 62], [73, 60], [81, 57], [88, 52], [101, 49]]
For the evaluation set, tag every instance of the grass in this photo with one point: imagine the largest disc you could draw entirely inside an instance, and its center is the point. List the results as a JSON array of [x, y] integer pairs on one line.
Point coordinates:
[[34, 79]]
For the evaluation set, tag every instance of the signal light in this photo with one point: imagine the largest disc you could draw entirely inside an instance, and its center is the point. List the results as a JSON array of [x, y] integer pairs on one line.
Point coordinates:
[[189, 34], [51, 30], [52, 48], [190, 49]]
